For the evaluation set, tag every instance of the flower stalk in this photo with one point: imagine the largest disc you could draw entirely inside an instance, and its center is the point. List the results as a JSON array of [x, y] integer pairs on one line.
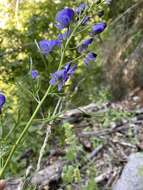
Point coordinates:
[[37, 108], [63, 20]]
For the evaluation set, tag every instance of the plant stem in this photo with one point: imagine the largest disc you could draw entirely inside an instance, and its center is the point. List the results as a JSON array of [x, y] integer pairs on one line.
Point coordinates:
[[24, 131], [48, 132], [38, 106]]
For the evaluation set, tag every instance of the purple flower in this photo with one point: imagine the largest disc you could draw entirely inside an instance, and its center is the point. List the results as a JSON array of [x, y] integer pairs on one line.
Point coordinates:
[[64, 17], [85, 20], [60, 77], [85, 45], [34, 74], [98, 28], [64, 36], [47, 46], [2, 100], [90, 57], [81, 8]]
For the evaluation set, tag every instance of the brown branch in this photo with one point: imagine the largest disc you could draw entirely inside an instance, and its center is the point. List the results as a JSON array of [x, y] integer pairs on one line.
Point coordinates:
[[39, 179]]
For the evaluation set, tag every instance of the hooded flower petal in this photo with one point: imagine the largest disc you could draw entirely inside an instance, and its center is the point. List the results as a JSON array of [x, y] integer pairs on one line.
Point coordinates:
[[98, 28], [64, 17], [85, 45], [67, 67], [90, 57], [60, 77], [2, 100], [71, 71], [81, 8], [47, 46]]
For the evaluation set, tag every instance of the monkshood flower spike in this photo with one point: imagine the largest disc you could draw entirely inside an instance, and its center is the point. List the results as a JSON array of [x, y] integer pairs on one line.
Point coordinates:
[[85, 45], [98, 28], [64, 18], [60, 77], [2, 100], [47, 46], [90, 57], [34, 74]]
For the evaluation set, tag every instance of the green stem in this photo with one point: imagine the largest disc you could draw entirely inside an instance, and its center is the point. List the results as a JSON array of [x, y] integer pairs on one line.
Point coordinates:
[[24, 132], [1, 126], [37, 108]]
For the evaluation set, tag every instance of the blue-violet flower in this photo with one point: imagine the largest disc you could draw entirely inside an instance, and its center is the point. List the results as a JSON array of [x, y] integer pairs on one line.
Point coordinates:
[[64, 18], [81, 8], [60, 77], [90, 57], [34, 74], [98, 28], [2, 100], [47, 46], [85, 45]]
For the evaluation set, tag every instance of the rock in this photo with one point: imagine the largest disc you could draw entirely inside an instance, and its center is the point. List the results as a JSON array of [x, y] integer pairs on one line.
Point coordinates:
[[2, 184], [132, 175]]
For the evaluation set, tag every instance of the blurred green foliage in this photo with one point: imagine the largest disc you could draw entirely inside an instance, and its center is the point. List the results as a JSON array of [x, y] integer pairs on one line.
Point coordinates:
[[23, 23]]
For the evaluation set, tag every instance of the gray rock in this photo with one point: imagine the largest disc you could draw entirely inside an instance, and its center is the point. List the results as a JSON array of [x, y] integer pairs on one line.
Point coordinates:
[[132, 175]]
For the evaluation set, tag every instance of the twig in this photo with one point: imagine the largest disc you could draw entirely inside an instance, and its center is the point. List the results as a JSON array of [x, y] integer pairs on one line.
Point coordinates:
[[90, 158], [112, 177], [116, 128], [38, 179], [95, 152], [124, 143], [103, 176], [48, 132]]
